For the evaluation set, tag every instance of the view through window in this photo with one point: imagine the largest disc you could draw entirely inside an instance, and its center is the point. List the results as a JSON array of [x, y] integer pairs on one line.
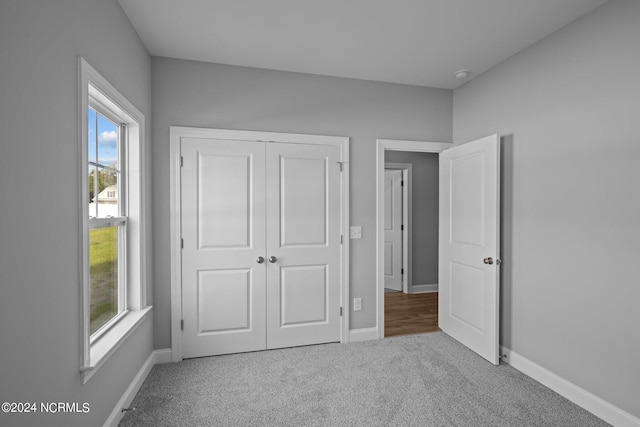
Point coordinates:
[[107, 221]]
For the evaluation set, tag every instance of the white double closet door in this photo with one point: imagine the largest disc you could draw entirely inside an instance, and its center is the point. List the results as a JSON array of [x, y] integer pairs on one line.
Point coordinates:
[[260, 224]]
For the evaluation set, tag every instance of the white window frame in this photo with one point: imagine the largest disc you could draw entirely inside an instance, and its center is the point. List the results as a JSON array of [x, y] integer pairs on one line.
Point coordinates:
[[96, 90]]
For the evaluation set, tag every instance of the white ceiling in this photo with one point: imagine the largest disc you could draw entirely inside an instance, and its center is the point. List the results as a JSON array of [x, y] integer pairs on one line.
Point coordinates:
[[418, 42]]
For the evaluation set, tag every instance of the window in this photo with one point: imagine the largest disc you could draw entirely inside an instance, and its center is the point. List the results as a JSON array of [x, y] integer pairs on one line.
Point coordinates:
[[113, 249], [107, 218]]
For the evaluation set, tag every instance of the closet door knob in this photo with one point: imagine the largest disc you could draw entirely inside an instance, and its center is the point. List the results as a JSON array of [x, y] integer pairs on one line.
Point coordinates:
[[488, 260], [260, 260], [272, 259]]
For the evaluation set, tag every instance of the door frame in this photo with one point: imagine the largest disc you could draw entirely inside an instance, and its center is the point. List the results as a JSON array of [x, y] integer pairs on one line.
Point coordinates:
[[406, 169], [176, 133], [381, 146]]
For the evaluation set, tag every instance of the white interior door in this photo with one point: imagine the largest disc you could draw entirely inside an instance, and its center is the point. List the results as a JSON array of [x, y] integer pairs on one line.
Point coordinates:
[[303, 244], [223, 230], [261, 257], [393, 229], [469, 245]]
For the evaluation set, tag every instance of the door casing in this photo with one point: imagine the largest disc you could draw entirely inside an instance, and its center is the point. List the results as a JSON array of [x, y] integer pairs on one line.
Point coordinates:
[[176, 133]]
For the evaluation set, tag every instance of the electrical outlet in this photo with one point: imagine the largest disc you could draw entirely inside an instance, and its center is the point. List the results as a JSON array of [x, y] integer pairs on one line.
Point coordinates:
[[357, 304]]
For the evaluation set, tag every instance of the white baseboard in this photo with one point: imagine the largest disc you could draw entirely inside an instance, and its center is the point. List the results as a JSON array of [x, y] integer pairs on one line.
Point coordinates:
[[423, 289], [156, 356], [163, 356], [581, 397], [364, 334]]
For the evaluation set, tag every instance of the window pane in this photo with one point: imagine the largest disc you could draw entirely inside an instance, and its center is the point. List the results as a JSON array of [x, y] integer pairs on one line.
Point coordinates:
[[91, 138], [92, 159], [107, 142], [103, 275], [103, 149], [93, 213], [107, 200]]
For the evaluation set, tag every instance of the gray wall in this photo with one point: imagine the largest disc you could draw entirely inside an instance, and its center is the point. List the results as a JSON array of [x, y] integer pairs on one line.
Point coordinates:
[[188, 93], [40, 320], [568, 109], [424, 213]]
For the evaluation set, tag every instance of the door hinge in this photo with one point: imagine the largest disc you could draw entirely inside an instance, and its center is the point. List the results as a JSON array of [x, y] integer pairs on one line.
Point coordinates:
[[340, 311], [402, 227], [181, 243], [182, 325], [401, 183], [402, 271], [181, 161], [341, 238], [340, 164]]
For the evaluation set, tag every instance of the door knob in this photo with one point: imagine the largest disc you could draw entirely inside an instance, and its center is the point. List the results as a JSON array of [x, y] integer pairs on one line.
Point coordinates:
[[488, 260], [260, 260], [272, 259]]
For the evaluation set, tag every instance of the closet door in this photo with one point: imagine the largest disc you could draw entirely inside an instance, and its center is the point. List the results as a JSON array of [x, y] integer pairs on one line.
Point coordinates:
[[303, 244], [223, 231]]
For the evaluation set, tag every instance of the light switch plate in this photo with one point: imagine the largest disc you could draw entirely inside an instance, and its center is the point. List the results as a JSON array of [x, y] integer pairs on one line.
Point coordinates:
[[355, 232]]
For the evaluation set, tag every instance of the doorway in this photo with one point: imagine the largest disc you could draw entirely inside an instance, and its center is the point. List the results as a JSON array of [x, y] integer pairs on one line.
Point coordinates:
[[415, 309]]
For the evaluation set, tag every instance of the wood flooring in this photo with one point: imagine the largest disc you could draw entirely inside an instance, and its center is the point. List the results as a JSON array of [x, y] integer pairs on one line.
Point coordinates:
[[408, 314]]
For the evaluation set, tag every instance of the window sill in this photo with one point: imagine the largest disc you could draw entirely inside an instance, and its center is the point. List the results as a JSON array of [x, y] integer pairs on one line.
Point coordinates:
[[108, 343]]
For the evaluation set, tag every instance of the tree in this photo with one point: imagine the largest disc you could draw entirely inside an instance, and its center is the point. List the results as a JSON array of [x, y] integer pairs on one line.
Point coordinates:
[[106, 178]]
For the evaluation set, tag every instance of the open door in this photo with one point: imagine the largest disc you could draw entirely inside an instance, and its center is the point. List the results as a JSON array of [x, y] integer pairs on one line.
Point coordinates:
[[393, 229], [469, 251]]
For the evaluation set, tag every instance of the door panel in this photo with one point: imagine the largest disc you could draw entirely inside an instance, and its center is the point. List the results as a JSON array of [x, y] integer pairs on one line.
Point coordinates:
[[393, 229], [223, 202], [303, 234], [303, 201], [303, 295], [469, 227], [465, 294], [388, 261], [223, 228], [468, 199], [224, 300]]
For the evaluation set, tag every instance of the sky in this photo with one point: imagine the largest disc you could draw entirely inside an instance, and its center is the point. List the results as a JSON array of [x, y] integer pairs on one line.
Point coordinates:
[[107, 135], [107, 154]]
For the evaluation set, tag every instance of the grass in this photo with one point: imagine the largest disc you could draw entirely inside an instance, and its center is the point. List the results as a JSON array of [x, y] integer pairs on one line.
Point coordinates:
[[103, 268]]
